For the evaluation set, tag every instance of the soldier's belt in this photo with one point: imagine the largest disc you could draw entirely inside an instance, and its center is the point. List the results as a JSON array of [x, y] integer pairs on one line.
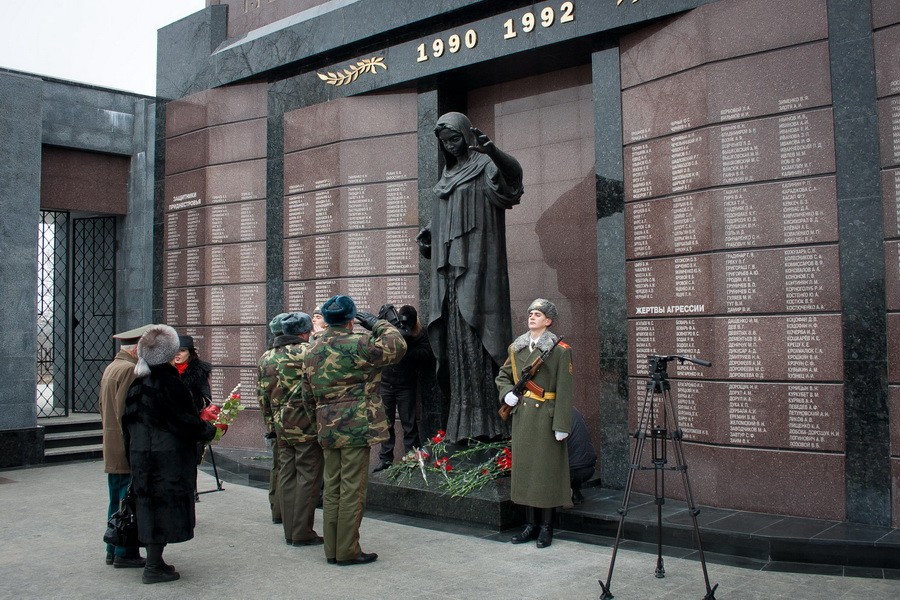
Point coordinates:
[[546, 396]]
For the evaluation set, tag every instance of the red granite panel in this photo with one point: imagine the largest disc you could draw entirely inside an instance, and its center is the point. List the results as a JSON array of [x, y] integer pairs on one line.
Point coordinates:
[[894, 417], [215, 107], [221, 144], [892, 273], [217, 224], [718, 31], [371, 206], [345, 118], [368, 292], [895, 493], [802, 484], [889, 130], [74, 180], [354, 162], [216, 305], [890, 189], [792, 145], [799, 211], [807, 416], [756, 348], [885, 12], [887, 67], [762, 84], [352, 254], [893, 340]]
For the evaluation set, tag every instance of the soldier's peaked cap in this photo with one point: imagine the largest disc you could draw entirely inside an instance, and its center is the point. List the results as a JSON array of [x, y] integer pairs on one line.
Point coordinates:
[[132, 335]]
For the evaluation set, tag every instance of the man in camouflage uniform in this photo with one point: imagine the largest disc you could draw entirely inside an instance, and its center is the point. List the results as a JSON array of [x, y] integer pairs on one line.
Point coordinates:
[[341, 373], [268, 397], [299, 453]]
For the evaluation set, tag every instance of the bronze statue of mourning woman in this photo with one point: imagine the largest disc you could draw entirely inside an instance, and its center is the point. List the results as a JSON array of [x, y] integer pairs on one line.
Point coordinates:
[[469, 320]]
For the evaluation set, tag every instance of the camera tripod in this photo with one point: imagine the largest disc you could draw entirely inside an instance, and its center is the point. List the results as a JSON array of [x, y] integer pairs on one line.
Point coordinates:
[[662, 412]]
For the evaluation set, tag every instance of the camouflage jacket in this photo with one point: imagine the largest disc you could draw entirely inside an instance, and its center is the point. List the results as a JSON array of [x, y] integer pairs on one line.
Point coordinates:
[[295, 423], [267, 391], [341, 374]]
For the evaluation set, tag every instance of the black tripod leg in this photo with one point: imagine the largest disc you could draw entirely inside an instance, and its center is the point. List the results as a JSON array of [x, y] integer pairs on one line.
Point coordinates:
[[681, 465], [212, 459], [623, 511]]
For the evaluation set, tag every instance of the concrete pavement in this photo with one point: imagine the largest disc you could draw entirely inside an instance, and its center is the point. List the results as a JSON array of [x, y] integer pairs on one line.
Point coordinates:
[[52, 520]]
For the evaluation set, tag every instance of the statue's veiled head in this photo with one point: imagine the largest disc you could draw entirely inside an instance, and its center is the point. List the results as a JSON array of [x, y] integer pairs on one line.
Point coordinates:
[[457, 123]]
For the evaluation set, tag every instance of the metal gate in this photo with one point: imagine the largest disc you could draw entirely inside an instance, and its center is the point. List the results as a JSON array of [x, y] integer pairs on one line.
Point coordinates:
[[53, 315], [76, 311]]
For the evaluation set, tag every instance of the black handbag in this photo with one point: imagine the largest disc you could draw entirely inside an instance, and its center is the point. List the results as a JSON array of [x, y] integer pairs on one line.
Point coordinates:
[[122, 529]]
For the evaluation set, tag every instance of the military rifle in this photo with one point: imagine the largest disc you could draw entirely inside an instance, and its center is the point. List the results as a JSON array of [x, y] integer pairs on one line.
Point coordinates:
[[528, 374]]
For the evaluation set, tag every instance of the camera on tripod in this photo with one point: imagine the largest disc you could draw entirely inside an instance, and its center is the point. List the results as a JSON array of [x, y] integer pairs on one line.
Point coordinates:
[[657, 363]]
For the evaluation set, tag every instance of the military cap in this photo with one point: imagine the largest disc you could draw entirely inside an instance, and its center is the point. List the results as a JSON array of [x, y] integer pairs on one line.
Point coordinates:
[[275, 324], [132, 335], [296, 323], [338, 310]]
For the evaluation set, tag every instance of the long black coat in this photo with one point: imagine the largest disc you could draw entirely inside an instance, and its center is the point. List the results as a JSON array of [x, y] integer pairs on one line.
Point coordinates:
[[162, 428]]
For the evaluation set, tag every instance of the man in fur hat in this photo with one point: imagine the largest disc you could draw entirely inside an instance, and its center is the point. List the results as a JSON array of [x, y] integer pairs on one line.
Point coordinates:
[[541, 421], [117, 376], [341, 373], [267, 393]]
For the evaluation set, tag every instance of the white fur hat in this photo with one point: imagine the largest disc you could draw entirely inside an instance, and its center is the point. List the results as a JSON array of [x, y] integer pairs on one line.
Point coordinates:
[[157, 346]]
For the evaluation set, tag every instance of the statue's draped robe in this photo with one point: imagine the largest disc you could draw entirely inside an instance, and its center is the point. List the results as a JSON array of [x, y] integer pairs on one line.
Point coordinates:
[[469, 317]]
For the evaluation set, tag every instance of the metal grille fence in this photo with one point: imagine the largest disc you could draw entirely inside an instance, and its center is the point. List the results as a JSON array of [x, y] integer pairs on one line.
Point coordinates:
[[52, 314], [93, 307]]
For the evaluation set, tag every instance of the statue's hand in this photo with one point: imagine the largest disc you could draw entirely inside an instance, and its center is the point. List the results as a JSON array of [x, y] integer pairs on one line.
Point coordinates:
[[484, 144]]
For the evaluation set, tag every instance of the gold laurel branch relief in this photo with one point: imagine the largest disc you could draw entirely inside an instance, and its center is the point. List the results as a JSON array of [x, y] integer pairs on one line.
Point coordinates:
[[350, 74]]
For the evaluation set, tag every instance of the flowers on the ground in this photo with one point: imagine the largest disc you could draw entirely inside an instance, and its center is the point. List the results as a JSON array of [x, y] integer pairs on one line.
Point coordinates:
[[464, 469], [223, 416]]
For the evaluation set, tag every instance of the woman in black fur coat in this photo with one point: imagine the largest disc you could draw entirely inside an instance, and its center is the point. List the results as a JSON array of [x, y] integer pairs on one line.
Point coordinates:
[[162, 429]]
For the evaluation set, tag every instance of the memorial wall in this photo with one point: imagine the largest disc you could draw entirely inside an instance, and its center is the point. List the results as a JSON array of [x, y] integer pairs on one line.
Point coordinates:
[[732, 255], [214, 259], [699, 180], [351, 203], [886, 35]]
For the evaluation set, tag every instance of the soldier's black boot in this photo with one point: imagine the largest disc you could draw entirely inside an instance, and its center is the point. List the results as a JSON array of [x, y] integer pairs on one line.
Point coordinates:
[[545, 536], [530, 531]]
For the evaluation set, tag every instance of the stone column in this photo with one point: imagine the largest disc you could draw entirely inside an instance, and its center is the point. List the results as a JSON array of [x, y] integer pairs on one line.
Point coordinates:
[[21, 441]]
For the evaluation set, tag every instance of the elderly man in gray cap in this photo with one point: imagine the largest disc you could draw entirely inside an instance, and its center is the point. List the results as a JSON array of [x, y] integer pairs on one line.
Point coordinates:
[[541, 421], [114, 383]]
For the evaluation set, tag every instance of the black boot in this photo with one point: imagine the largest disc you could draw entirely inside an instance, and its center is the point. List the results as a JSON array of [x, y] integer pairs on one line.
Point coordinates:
[[157, 571], [530, 531], [545, 537]]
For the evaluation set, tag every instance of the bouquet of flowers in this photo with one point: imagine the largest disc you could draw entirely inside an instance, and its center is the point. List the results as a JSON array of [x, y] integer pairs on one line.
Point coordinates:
[[463, 470], [223, 416]]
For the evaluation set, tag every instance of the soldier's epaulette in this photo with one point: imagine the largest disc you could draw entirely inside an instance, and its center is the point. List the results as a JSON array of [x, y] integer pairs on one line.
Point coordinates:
[[565, 345]]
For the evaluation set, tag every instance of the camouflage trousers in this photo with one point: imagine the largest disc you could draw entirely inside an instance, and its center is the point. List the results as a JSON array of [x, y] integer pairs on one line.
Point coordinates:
[[299, 480], [344, 500]]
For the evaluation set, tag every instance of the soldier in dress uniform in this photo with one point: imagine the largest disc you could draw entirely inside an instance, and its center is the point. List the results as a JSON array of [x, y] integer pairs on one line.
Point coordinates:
[[341, 374], [299, 453], [268, 398], [541, 421]]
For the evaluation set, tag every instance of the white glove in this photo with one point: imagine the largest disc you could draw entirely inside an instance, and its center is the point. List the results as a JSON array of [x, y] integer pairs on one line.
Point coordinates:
[[560, 435], [511, 399]]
